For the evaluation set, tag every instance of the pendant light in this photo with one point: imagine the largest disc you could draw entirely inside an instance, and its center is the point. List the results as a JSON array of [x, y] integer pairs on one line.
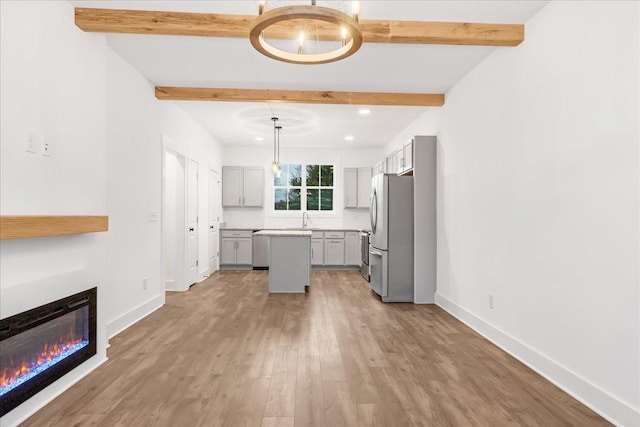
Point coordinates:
[[275, 165]]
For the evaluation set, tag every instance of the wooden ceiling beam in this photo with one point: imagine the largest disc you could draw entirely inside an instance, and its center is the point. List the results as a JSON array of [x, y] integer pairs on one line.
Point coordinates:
[[299, 96], [237, 26]]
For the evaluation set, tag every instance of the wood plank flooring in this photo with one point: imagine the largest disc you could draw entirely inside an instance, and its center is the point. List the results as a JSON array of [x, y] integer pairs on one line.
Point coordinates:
[[226, 353]]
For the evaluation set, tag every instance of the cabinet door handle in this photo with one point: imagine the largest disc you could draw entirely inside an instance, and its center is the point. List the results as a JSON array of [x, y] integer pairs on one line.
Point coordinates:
[[190, 228]]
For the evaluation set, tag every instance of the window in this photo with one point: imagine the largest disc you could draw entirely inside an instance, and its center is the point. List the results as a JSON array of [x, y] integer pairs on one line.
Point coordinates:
[[319, 187], [292, 191], [288, 188]]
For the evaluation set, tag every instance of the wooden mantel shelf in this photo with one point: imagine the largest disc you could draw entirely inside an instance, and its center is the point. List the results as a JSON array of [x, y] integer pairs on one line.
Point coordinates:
[[26, 226]]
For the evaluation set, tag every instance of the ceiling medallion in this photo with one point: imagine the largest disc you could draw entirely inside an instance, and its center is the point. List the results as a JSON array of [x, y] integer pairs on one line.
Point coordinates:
[[305, 19]]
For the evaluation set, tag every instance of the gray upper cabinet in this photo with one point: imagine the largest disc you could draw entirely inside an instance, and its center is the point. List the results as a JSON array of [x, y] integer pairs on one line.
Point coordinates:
[[395, 160], [231, 186], [253, 187], [406, 165], [380, 167], [357, 186], [242, 186], [364, 187], [350, 187]]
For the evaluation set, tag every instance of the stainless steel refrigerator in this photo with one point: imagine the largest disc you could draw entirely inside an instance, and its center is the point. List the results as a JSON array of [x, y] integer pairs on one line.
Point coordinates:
[[391, 242]]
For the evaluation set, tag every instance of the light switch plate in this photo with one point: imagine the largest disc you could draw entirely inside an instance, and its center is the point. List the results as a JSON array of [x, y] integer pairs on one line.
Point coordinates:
[[29, 142]]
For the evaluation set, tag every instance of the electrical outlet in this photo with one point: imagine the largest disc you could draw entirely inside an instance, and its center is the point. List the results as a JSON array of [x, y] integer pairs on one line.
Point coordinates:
[[45, 147], [144, 284], [491, 301], [29, 142]]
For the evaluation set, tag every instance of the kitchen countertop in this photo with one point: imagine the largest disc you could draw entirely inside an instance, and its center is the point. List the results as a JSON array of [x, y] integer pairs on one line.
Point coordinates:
[[291, 229], [283, 233]]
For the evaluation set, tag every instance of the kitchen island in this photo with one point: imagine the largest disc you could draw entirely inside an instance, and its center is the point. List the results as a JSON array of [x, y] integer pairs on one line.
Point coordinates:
[[289, 260]]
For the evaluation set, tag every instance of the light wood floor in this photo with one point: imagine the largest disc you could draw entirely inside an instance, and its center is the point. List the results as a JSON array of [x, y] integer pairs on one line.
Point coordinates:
[[228, 354]]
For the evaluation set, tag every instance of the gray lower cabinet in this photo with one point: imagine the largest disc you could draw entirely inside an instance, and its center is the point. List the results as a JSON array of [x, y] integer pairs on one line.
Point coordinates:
[[235, 247], [352, 249], [317, 251], [334, 251], [260, 251]]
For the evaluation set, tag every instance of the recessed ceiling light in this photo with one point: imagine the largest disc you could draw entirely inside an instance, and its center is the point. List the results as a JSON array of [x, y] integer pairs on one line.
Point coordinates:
[[259, 138], [348, 138], [364, 111]]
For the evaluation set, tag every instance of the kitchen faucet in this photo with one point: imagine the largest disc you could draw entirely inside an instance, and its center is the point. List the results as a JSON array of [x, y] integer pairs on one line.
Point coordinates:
[[305, 218]]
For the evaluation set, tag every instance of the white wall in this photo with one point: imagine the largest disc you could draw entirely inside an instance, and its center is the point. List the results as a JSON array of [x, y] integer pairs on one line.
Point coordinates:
[[52, 83], [133, 194], [266, 217], [538, 201], [105, 128]]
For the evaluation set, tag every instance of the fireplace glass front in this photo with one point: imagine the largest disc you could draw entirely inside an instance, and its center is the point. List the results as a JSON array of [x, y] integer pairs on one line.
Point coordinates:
[[41, 345]]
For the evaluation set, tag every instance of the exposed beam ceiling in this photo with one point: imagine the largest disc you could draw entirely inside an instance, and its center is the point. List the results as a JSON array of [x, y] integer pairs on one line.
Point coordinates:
[[237, 26], [299, 96]]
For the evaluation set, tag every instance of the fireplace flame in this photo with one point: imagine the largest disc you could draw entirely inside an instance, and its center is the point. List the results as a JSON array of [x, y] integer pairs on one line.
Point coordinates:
[[19, 371]]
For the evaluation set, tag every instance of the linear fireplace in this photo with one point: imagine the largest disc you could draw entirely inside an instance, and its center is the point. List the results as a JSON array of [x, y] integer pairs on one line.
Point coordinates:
[[39, 346]]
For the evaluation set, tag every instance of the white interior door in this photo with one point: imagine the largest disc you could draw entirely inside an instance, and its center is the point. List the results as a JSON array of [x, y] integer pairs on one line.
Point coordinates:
[[214, 220], [192, 223], [174, 220]]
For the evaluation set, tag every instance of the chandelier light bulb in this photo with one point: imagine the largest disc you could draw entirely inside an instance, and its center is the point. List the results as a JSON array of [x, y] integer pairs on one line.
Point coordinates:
[[300, 42]]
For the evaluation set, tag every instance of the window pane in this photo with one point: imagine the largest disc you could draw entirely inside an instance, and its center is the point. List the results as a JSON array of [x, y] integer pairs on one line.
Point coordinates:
[[326, 199], [326, 173], [313, 200], [295, 175], [281, 181], [313, 175], [280, 199], [294, 199]]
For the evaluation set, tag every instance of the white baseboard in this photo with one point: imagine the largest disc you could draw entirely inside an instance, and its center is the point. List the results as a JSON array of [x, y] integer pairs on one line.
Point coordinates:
[[203, 275], [143, 310], [609, 407], [169, 285], [18, 415]]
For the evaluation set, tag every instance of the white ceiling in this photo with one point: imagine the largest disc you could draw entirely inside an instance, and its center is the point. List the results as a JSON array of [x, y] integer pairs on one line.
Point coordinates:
[[376, 67]]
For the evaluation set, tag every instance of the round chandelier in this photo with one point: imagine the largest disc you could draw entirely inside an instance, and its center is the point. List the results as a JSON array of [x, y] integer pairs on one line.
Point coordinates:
[[326, 25]]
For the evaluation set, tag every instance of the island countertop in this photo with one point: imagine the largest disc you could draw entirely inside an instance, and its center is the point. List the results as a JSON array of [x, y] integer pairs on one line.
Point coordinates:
[[284, 233]]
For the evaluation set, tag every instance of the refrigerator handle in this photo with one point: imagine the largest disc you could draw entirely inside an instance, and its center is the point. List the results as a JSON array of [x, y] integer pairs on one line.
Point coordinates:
[[373, 212], [374, 252]]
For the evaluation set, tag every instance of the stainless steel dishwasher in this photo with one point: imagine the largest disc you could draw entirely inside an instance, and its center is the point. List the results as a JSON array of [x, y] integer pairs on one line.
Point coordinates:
[[260, 252]]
